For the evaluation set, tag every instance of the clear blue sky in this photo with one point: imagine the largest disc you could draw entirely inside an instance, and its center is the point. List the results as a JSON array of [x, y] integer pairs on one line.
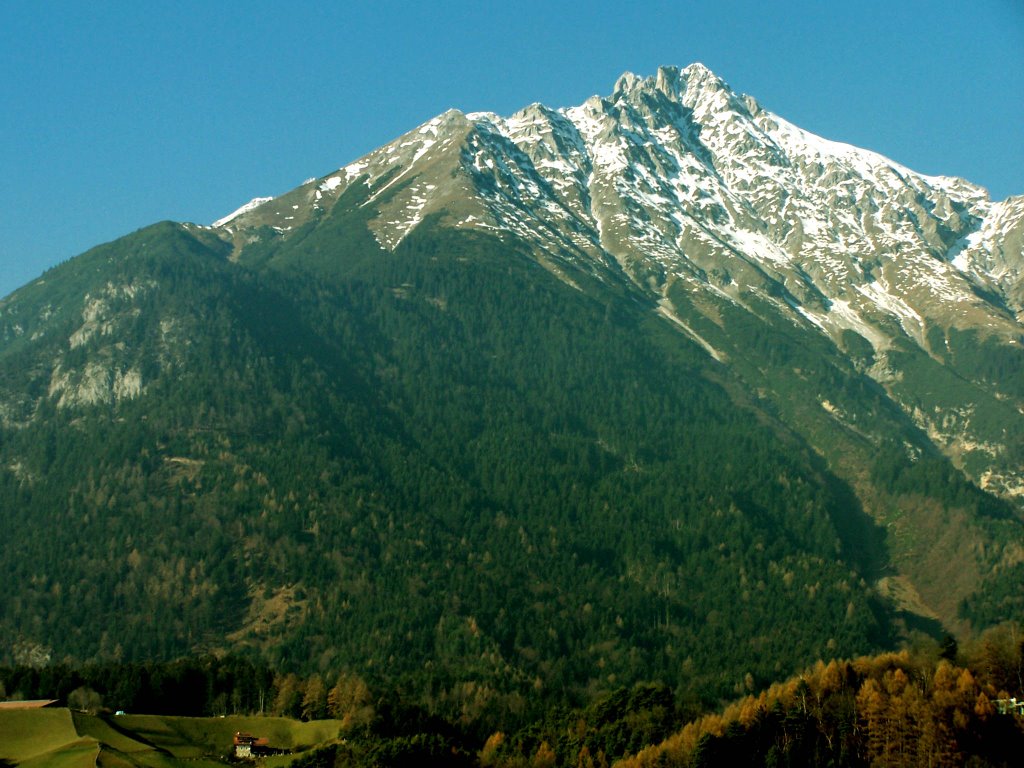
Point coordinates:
[[117, 115]]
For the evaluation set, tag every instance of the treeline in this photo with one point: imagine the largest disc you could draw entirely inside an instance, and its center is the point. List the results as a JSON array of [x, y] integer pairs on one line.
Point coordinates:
[[193, 687], [934, 476], [928, 705], [912, 708], [196, 687]]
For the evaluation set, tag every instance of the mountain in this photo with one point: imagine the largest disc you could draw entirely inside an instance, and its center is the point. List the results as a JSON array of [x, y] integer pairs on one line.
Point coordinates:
[[747, 232], [697, 196], [523, 409]]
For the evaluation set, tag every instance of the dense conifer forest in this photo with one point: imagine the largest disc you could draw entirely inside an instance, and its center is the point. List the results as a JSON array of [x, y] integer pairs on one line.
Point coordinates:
[[433, 468], [470, 507]]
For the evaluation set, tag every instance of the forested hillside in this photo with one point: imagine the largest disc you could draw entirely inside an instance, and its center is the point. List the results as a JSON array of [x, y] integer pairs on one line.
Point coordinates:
[[456, 471], [435, 466]]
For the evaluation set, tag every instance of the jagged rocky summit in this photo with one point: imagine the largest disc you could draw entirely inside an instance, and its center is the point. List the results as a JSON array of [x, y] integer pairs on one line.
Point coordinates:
[[695, 193]]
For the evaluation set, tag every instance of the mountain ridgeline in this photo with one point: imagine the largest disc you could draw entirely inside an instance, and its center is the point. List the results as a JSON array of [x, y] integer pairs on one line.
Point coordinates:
[[519, 411]]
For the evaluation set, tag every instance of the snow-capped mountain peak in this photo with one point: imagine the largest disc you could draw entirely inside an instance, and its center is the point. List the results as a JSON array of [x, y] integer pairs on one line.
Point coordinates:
[[697, 193], [677, 177]]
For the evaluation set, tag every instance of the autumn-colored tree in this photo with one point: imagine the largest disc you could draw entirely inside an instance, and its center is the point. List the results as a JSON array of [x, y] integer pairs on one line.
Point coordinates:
[[997, 655], [938, 740], [906, 712], [314, 701], [584, 759], [350, 701], [288, 698], [873, 715], [544, 757], [488, 756]]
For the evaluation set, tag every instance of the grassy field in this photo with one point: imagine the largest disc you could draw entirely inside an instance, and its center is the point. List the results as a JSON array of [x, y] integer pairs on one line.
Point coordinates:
[[39, 736], [59, 738], [82, 753]]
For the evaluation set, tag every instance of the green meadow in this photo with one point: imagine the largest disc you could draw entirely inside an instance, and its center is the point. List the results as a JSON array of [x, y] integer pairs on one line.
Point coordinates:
[[60, 738]]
